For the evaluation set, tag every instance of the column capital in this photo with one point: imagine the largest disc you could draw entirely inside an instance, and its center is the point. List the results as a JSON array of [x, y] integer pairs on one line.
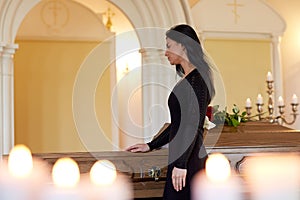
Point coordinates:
[[151, 50], [10, 49], [7, 55], [276, 38], [2, 45], [153, 55]]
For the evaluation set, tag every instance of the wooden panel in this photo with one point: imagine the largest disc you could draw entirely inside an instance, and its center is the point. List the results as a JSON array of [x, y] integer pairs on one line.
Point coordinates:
[[135, 165]]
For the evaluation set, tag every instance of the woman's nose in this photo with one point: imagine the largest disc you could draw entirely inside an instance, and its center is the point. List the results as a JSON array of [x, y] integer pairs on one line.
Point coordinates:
[[166, 53]]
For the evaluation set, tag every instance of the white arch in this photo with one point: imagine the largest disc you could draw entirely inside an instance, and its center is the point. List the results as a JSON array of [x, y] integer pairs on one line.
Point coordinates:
[[12, 13]]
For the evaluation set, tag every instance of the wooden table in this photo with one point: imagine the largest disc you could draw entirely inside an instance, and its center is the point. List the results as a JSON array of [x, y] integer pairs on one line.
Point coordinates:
[[237, 144]]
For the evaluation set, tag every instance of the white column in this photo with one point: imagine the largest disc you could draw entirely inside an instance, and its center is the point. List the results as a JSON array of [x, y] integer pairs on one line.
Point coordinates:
[[1, 105], [277, 68], [7, 97], [158, 79]]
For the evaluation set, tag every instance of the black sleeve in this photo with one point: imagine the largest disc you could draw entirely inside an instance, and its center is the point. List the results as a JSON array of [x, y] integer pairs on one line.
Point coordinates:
[[161, 140]]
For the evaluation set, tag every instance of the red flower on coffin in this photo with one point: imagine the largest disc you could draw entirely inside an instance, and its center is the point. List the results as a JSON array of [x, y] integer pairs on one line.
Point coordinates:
[[209, 113]]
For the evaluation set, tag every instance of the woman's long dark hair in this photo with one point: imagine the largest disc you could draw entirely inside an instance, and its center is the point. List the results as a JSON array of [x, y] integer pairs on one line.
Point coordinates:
[[186, 35]]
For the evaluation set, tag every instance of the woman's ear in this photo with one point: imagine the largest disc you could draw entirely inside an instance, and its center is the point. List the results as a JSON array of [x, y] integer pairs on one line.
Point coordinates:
[[184, 49]]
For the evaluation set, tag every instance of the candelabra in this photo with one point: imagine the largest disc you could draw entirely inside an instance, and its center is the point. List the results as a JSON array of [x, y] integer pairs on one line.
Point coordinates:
[[280, 119]]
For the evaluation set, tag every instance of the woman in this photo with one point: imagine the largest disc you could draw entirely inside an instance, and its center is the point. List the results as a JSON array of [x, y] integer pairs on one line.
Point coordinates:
[[187, 103]]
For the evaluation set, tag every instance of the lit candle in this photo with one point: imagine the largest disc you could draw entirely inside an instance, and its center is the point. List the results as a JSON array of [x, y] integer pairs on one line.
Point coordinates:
[[280, 101], [103, 173], [269, 77], [248, 103], [294, 99], [217, 182], [273, 177], [20, 177], [66, 177], [259, 99], [20, 162], [107, 184]]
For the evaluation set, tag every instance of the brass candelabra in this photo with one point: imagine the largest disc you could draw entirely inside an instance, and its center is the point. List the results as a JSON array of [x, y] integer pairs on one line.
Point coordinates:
[[280, 118]]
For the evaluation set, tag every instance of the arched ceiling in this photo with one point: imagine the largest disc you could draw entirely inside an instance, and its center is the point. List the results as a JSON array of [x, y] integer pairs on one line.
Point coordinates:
[[193, 2], [120, 22]]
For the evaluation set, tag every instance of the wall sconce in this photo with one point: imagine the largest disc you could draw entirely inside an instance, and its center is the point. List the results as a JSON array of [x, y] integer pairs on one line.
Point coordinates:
[[109, 14]]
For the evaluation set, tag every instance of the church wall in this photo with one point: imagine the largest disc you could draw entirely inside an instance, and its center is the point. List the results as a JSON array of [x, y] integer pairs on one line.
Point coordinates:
[[45, 72], [47, 64], [290, 48], [243, 65]]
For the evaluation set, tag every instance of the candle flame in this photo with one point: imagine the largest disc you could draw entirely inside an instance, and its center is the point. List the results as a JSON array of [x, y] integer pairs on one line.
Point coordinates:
[[269, 77], [217, 168], [65, 173], [280, 171], [103, 172], [20, 162], [294, 99]]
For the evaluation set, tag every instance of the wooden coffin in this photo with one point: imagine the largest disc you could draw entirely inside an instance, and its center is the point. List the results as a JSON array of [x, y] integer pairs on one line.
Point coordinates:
[[251, 138], [147, 171]]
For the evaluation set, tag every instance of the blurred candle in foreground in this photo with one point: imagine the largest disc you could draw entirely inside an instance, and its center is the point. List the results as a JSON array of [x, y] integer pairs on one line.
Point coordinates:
[[217, 182], [20, 162], [106, 183], [19, 180], [273, 176], [103, 173], [65, 173], [66, 177]]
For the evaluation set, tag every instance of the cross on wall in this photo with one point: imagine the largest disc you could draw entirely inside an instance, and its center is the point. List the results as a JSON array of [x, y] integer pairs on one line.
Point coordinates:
[[234, 10]]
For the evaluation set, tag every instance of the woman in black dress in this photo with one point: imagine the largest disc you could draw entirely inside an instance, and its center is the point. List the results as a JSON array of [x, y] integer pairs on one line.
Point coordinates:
[[187, 103]]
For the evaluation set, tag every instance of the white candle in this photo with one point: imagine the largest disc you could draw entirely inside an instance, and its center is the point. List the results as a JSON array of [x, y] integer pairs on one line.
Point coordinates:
[[20, 179], [107, 184], [273, 177], [66, 177], [20, 162], [259, 99], [103, 173], [294, 99], [280, 101], [269, 77], [248, 103], [217, 182]]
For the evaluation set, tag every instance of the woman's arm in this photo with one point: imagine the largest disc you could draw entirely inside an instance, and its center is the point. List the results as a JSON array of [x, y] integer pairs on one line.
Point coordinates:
[[160, 139]]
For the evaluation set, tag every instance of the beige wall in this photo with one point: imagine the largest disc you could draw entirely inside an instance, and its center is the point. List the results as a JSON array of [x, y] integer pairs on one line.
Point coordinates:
[[45, 73], [244, 65], [290, 48]]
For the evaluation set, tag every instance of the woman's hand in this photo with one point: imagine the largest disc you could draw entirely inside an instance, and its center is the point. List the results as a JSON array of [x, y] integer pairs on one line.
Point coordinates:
[[178, 178], [138, 148]]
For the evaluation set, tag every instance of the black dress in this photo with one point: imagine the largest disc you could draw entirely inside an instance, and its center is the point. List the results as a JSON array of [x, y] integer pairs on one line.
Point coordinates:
[[187, 103]]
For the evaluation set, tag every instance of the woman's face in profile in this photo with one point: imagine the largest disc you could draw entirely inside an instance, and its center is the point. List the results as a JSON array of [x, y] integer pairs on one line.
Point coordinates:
[[174, 51]]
